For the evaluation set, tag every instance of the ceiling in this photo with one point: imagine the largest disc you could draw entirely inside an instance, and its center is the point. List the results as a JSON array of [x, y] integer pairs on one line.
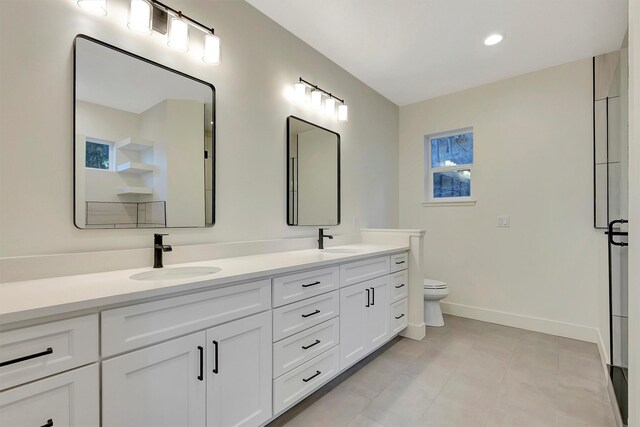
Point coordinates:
[[412, 50]]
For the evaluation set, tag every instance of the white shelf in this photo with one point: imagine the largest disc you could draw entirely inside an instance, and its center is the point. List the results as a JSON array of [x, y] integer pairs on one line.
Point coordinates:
[[134, 168], [132, 144], [135, 191]]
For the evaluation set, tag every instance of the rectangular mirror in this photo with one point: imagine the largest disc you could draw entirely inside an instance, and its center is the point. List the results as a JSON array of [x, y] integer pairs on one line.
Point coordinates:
[[144, 143], [313, 174]]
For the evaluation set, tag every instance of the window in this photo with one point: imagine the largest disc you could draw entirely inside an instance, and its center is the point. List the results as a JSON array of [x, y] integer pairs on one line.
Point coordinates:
[[98, 154], [448, 166]]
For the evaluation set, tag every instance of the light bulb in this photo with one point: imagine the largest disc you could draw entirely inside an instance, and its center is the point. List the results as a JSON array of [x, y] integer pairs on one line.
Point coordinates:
[[95, 7], [330, 105], [316, 99], [493, 39], [178, 34], [299, 92], [211, 49], [343, 113], [140, 16]]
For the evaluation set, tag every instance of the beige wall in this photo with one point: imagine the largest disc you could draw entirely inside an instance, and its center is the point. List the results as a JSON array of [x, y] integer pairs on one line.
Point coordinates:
[[533, 162], [259, 60]]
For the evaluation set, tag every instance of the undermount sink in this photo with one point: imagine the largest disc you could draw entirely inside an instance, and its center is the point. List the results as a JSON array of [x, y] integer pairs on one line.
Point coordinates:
[[341, 251], [175, 273]]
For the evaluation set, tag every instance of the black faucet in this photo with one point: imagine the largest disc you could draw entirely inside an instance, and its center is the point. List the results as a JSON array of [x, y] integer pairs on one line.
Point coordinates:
[[158, 248], [321, 237]]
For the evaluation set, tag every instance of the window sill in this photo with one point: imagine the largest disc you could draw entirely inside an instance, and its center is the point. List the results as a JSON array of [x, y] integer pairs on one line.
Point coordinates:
[[449, 203]]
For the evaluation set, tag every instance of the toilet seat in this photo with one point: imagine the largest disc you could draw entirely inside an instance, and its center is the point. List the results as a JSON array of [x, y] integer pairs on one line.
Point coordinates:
[[434, 284]]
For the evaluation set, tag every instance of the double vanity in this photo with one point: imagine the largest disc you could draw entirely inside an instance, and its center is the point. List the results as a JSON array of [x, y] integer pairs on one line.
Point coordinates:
[[228, 342]]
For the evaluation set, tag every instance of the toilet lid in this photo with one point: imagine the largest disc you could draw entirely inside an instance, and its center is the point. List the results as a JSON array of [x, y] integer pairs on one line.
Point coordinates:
[[434, 284]]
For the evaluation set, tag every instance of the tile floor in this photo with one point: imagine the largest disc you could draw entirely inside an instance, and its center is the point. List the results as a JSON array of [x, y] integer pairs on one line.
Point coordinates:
[[469, 374]]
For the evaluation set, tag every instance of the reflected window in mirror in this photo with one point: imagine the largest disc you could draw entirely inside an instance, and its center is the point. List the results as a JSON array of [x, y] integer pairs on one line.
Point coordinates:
[[313, 174], [144, 142]]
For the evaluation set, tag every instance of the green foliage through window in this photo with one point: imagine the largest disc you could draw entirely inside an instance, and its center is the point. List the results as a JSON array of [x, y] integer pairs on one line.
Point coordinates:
[[97, 155]]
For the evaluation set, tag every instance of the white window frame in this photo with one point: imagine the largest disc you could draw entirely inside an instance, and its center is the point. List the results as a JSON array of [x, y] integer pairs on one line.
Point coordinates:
[[112, 154], [429, 171]]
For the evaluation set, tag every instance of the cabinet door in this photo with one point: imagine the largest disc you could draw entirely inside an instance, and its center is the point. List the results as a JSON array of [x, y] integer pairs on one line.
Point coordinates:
[[239, 372], [378, 314], [69, 399], [157, 386], [354, 304]]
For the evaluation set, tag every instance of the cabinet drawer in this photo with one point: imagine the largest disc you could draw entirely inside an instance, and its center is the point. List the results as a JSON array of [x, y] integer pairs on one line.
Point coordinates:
[[355, 272], [138, 325], [296, 287], [70, 399], [295, 385], [399, 283], [301, 315], [42, 350], [304, 346], [399, 262], [399, 315]]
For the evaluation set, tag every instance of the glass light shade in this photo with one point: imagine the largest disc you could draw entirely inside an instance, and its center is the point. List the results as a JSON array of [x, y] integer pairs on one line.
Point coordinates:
[[95, 7], [316, 99], [211, 49], [330, 105], [343, 113], [299, 92], [140, 14], [178, 34]]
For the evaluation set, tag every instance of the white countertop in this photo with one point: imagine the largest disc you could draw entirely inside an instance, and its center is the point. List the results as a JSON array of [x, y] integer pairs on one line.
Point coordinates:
[[31, 299]]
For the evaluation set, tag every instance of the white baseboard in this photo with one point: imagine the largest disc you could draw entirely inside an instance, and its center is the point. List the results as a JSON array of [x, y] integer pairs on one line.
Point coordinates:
[[553, 327], [414, 332]]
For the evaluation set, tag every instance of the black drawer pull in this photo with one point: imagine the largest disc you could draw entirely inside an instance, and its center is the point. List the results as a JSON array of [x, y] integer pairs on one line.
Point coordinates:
[[306, 347], [400, 262], [49, 423], [368, 297], [373, 296], [311, 284], [306, 380], [400, 317], [29, 357], [311, 314], [215, 356], [201, 350], [399, 286]]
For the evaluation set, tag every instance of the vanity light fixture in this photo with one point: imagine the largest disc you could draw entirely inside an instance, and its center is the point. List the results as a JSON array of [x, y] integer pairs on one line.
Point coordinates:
[[300, 92], [95, 7], [493, 39], [140, 14], [178, 34], [211, 49]]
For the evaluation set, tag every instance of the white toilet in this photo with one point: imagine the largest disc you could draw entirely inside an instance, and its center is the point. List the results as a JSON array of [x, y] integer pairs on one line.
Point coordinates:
[[434, 291]]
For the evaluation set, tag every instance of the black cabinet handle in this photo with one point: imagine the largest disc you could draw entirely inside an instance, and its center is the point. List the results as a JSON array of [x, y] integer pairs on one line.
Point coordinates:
[[201, 350], [306, 347], [311, 284], [368, 293], [306, 380], [49, 423], [311, 314], [400, 262], [400, 317], [49, 350], [399, 286], [215, 356], [373, 296]]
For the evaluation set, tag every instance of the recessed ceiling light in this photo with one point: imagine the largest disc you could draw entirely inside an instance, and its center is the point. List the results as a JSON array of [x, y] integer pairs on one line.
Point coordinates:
[[493, 39]]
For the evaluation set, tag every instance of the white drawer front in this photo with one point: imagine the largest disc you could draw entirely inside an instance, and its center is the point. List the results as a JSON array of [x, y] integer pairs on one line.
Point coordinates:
[[399, 262], [301, 315], [38, 351], [399, 315], [296, 287], [295, 385], [304, 346], [70, 399], [355, 272], [138, 325], [399, 284]]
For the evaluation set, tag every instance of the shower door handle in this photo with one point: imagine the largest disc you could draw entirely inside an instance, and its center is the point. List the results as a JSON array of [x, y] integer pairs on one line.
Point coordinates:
[[612, 233]]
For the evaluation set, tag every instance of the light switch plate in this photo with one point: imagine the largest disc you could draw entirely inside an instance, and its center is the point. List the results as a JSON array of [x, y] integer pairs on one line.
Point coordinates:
[[504, 221]]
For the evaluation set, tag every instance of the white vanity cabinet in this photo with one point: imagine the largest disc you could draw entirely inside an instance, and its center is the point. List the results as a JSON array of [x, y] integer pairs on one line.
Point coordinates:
[[218, 377]]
